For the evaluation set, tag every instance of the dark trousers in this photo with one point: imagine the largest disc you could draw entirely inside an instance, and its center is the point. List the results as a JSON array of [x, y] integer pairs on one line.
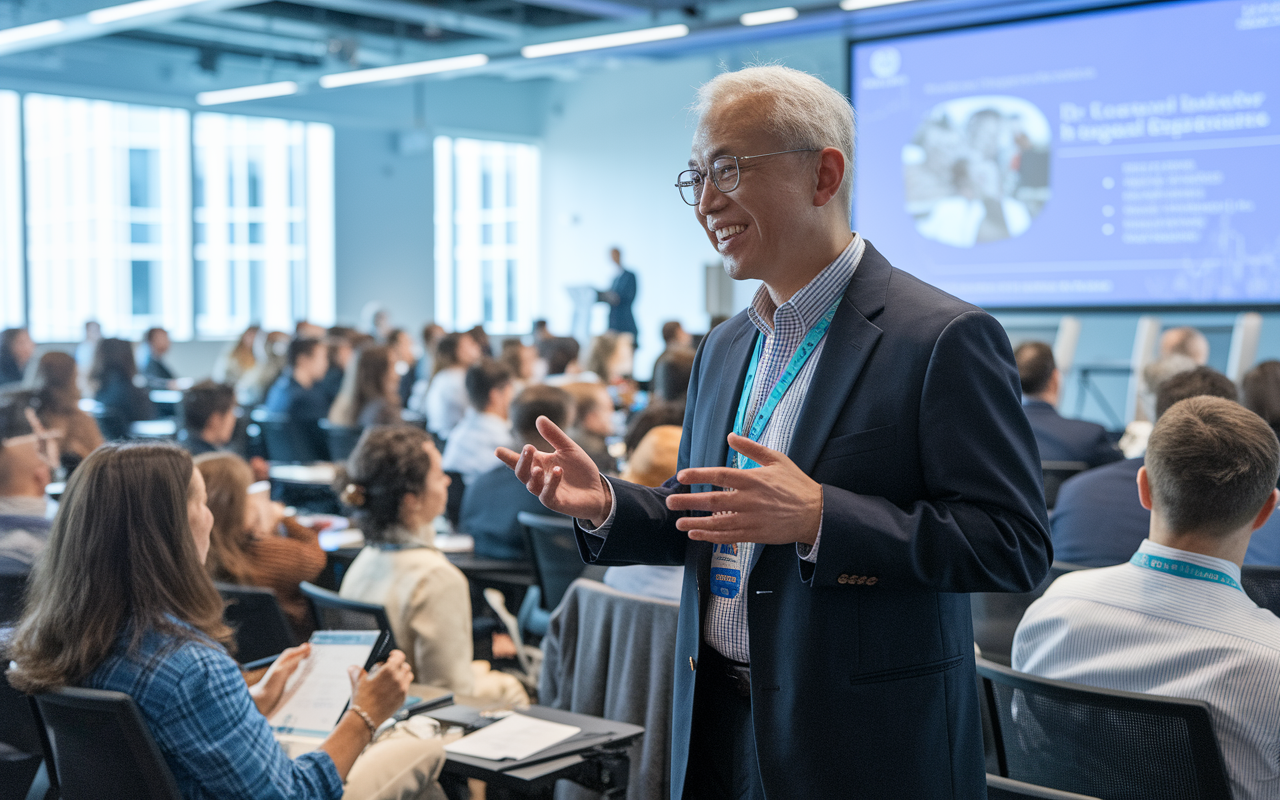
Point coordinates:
[[722, 752]]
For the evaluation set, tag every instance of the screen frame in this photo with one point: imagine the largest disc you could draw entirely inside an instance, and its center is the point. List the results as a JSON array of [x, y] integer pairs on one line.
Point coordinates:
[[928, 24]]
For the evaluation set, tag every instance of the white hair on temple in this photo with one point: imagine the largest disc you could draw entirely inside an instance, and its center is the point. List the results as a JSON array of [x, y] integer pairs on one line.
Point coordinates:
[[806, 113]]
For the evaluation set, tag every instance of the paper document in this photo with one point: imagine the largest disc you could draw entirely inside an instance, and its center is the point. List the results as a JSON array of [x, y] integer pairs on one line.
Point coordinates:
[[514, 737], [318, 693]]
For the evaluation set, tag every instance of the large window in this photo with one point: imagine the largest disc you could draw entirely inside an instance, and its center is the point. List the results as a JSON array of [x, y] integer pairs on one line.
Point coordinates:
[[137, 216], [12, 286], [486, 234]]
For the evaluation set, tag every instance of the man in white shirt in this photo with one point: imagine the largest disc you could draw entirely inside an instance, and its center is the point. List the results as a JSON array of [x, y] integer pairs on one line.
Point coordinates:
[[486, 426], [1174, 621]]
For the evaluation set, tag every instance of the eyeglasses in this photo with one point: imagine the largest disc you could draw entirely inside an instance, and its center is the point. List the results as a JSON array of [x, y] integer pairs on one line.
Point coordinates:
[[725, 174], [45, 441]]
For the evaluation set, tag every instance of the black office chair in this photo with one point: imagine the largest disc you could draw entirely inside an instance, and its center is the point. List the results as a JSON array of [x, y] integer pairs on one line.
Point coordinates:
[[999, 788], [453, 504], [556, 560], [342, 439], [287, 441], [100, 747], [20, 768], [334, 613], [260, 625], [996, 615], [1262, 584], [1055, 473], [12, 588], [1100, 741]]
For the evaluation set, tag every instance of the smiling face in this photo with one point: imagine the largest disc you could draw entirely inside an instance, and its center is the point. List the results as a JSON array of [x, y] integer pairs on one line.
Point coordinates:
[[769, 215]]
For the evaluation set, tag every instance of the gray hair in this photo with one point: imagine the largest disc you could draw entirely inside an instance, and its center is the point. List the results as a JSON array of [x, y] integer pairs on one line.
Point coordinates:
[[806, 113]]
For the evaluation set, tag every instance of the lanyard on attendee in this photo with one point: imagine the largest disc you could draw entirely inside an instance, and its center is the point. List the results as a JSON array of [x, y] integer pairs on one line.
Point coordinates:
[[1184, 569], [798, 360]]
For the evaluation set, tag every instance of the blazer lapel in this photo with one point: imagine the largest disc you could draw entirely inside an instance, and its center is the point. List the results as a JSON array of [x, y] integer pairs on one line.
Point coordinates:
[[733, 371]]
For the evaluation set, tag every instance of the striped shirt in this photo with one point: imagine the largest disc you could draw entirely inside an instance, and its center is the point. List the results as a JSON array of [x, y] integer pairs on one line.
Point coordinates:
[[1139, 630]]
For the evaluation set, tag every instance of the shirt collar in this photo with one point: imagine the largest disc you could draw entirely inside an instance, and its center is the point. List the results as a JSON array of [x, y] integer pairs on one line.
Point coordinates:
[[24, 506], [811, 302], [1199, 559]]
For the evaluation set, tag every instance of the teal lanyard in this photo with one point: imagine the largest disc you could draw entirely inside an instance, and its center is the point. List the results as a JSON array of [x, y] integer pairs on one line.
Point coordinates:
[[780, 388], [1183, 569]]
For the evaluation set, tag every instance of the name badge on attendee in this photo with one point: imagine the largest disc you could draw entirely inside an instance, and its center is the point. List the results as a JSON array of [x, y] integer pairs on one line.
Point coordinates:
[[726, 571]]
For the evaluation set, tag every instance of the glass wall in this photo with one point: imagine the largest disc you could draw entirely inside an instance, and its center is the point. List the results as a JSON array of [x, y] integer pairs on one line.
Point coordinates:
[[12, 289], [486, 230]]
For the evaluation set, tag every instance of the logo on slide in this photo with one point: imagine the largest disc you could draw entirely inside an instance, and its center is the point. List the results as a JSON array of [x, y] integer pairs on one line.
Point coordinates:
[[885, 62], [977, 169]]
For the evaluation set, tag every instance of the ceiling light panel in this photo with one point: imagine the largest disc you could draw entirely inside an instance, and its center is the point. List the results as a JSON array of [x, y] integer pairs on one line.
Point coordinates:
[[242, 93], [607, 40], [397, 71], [766, 17]]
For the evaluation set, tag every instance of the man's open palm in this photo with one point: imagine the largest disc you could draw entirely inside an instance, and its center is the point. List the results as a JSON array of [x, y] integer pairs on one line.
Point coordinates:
[[565, 480]]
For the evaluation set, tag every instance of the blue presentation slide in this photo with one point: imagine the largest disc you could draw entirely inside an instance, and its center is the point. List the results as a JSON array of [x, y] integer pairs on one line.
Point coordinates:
[[1118, 158]]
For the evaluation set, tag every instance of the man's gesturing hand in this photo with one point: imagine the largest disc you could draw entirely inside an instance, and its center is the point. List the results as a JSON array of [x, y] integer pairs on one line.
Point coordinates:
[[776, 503], [565, 480]]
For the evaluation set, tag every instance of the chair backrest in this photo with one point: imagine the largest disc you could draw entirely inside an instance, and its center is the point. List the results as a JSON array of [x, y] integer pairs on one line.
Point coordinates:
[[100, 747], [13, 585], [283, 439], [334, 613], [999, 788], [556, 560], [261, 627], [1100, 741], [996, 614], [342, 439], [453, 505], [1262, 584], [1055, 473]]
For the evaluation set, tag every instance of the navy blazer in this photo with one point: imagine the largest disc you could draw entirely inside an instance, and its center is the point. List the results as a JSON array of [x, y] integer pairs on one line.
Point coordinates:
[[1062, 439], [620, 317], [862, 677]]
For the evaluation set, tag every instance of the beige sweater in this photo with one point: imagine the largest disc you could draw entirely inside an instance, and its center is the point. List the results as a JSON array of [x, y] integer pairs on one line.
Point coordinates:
[[429, 604]]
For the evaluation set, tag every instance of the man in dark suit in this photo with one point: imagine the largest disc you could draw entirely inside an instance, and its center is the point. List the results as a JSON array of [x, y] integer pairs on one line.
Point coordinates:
[[298, 393], [1059, 438], [158, 374], [909, 478], [1098, 521], [620, 296]]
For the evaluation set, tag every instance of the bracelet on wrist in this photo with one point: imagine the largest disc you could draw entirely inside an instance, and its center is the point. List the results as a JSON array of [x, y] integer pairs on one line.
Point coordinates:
[[365, 718]]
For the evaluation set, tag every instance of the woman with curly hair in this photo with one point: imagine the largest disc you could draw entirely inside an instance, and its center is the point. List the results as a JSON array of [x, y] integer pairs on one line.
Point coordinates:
[[394, 483]]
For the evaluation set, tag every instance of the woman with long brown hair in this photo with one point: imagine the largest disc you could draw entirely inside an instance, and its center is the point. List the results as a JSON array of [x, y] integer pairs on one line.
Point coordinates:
[[238, 359], [370, 390], [245, 547], [58, 391], [120, 600]]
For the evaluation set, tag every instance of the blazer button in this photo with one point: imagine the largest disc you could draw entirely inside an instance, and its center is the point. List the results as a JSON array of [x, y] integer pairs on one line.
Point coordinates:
[[843, 579], [693, 665]]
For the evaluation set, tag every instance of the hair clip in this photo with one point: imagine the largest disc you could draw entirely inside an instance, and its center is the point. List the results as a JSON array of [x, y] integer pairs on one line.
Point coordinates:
[[353, 495]]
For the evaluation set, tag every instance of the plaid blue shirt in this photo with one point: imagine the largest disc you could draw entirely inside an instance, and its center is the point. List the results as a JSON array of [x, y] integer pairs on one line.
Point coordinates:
[[217, 744]]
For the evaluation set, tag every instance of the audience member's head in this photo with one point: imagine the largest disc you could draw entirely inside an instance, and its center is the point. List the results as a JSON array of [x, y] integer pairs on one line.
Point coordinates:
[[371, 375], [1037, 371], [126, 549], [674, 335], [1261, 392], [481, 338], [309, 360], [56, 383], [540, 401], [611, 356], [540, 330], [520, 358], [560, 353], [431, 333], [16, 349], [92, 331], [209, 412], [339, 341], [671, 374], [158, 343], [653, 416], [1185, 341], [655, 458], [489, 387], [227, 478], [456, 350], [308, 330], [394, 482], [25, 457], [593, 408], [1193, 383], [400, 344], [113, 360], [1211, 466]]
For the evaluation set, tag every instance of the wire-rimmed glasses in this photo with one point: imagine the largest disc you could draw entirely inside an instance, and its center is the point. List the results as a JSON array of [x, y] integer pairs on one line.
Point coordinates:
[[725, 174]]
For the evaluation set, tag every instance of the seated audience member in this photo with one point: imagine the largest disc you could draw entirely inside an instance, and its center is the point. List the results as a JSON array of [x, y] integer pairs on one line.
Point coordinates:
[[653, 462], [522, 360], [375, 320], [1059, 438], [28, 455], [340, 342], [57, 390], [656, 414], [482, 340], [561, 356], [394, 483], [122, 602], [1181, 349], [612, 356], [368, 396], [84, 354], [1098, 520], [297, 393], [443, 401], [671, 373], [431, 333], [675, 337], [487, 424], [16, 350], [492, 501], [303, 329], [237, 359], [270, 352], [158, 373], [1174, 621], [114, 371], [208, 416], [246, 546], [1260, 393], [593, 415], [403, 361]]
